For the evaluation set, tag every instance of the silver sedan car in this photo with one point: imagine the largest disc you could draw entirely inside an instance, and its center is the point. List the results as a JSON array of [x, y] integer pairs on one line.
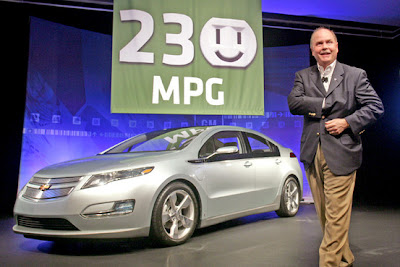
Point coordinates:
[[162, 184]]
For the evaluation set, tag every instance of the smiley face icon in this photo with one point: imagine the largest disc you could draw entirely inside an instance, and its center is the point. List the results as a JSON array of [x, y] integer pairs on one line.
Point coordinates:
[[228, 43]]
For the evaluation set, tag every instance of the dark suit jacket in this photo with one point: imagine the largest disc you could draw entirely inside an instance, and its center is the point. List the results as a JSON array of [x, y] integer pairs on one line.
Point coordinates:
[[350, 96]]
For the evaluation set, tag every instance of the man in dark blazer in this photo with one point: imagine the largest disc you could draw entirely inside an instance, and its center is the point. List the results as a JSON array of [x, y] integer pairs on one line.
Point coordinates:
[[338, 103]]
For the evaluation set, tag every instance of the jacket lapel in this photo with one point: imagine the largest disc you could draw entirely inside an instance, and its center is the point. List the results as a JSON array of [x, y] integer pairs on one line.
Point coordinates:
[[337, 77], [316, 79]]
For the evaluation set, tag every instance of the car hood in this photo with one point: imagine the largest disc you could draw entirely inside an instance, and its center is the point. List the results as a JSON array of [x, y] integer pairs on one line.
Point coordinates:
[[104, 163]]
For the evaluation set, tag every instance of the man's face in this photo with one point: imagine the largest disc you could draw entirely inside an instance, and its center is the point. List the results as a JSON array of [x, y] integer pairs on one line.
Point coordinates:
[[324, 47]]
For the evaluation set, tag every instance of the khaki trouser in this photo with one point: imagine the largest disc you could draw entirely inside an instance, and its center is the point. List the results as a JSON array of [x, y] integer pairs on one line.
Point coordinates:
[[333, 197]]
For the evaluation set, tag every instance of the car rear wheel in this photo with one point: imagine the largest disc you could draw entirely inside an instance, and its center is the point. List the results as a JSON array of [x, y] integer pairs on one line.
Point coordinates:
[[290, 198], [175, 215]]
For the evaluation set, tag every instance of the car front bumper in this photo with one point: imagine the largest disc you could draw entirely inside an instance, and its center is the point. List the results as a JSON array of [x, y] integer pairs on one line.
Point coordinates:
[[85, 213]]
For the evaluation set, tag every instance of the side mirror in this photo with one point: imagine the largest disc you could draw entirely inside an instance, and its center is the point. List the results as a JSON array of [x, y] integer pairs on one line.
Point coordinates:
[[223, 150], [220, 151], [226, 150]]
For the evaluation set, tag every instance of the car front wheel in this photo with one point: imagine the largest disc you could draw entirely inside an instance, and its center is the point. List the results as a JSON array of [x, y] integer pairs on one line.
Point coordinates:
[[175, 215], [290, 198]]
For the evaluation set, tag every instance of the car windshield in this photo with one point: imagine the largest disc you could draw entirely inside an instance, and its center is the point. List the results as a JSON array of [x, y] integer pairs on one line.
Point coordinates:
[[163, 140]]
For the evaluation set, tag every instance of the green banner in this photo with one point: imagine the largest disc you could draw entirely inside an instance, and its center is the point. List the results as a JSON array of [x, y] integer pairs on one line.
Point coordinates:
[[187, 57]]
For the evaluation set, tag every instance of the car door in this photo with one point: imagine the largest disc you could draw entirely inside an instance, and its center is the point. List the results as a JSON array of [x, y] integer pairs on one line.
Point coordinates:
[[229, 178], [267, 163]]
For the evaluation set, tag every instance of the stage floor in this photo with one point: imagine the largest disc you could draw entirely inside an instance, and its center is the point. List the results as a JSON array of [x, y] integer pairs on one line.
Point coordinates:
[[261, 240]]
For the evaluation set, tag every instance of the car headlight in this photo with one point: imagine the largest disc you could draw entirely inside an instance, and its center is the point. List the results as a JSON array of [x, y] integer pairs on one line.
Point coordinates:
[[108, 177]]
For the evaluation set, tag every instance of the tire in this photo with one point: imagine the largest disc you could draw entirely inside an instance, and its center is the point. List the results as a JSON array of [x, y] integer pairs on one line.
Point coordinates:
[[175, 215], [290, 198]]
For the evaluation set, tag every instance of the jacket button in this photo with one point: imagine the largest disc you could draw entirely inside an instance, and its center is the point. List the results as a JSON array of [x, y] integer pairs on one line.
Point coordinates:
[[317, 134]]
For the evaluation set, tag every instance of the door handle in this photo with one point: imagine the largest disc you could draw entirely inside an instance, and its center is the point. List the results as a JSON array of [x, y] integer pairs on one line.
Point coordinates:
[[278, 161], [248, 164]]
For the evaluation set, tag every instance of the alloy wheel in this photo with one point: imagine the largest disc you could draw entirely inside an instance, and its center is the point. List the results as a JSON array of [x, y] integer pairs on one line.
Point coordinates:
[[291, 197], [178, 214]]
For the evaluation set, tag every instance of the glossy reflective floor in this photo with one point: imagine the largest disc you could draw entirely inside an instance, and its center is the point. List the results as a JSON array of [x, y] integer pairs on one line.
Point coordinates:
[[259, 240]]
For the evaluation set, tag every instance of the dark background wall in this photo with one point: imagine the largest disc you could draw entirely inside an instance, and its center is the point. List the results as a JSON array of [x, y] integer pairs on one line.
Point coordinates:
[[380, 57]]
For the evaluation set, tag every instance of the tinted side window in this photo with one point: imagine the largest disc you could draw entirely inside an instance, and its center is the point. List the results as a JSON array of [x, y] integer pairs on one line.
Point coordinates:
[[258, 145], [207, 149], [261, 147]]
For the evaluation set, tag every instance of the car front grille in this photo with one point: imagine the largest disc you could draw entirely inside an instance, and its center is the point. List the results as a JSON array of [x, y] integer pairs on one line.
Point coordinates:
[[46, 223], [51, 193], [40, 188]]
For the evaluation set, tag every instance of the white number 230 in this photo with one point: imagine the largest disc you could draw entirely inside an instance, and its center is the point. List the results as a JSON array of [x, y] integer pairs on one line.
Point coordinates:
[[131, 52]]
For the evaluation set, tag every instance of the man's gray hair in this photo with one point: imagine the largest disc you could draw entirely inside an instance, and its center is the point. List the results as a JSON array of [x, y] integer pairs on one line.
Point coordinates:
[[321, 28]]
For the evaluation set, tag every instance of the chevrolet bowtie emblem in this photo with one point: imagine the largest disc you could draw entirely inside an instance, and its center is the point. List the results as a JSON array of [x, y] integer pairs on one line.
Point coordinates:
[[45, 187]]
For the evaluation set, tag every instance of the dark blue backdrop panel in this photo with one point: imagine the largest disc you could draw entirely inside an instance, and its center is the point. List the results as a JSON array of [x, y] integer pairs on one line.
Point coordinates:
[[67, 113]]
